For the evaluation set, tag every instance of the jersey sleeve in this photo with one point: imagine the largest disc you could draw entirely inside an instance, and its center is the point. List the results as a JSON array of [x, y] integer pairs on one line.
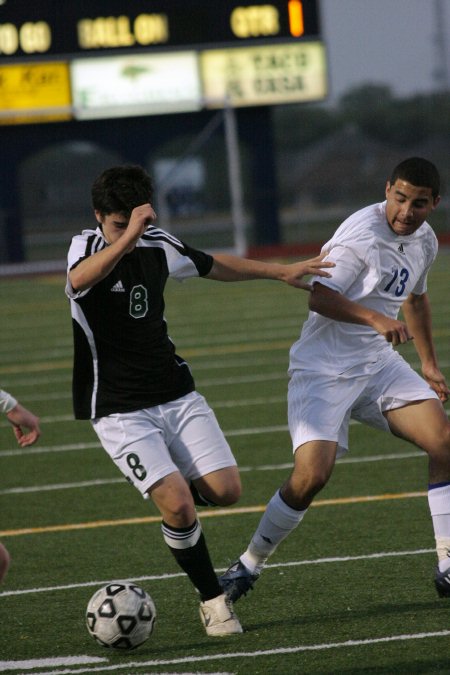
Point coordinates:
[[422, 283], [354, 250], [82, 246], [77, 251], [348, 268], [431, 249], [183, 261], [201, 261]]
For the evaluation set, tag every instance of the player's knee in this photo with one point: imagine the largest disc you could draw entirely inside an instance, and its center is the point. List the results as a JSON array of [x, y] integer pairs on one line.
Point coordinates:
[[318, 481], [446, 437], [440, 445], [179, 513], [230, 496], [310, 483], [220, 489], [226, 495]]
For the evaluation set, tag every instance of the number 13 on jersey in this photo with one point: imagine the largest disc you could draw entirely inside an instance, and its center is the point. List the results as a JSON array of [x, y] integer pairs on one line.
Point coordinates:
[[401, 277]]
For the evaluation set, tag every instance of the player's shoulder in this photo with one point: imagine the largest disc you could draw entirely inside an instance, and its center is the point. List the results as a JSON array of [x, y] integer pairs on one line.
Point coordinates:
[[154, 235], [156, 238], [360, 228], [86, 234], [426, 237], [88, 239], [426, 232]]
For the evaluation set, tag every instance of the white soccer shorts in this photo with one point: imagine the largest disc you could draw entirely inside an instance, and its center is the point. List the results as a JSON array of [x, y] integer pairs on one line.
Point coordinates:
[[320, 406], [182, 435]]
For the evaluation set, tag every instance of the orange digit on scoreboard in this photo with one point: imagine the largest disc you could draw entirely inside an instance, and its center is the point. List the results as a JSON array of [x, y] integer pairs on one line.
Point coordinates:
[[296, 25]]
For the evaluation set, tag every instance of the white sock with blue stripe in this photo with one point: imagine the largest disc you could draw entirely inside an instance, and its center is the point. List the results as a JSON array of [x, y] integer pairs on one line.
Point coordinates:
[[278, 521]]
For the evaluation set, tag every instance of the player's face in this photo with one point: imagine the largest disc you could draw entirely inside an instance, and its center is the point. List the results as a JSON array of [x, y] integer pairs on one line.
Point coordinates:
[[408, 206], [113, 225]]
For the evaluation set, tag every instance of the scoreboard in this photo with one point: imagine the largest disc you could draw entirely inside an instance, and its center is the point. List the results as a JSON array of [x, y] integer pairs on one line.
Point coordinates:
[[111, 58], [61, 27]]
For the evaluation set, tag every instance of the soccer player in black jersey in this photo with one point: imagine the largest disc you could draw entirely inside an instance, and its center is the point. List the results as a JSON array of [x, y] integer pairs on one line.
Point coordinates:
[[128, 380]]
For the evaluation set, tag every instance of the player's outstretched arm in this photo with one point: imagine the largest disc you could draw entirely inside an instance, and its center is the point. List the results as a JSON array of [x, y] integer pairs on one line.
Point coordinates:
[[25, 425], [334, 305], [232, 268]]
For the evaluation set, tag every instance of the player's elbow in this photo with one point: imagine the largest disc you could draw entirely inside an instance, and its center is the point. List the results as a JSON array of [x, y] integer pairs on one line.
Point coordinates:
[[320, 298], [312, 302], [315, 300], [416, 301], [78, 281]]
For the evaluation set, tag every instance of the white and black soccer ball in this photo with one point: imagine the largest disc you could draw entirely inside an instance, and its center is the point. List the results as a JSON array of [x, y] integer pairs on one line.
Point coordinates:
[[120, 615]]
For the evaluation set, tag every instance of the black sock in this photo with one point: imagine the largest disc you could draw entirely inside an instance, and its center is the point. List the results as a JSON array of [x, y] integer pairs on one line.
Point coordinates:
[[188, 546]]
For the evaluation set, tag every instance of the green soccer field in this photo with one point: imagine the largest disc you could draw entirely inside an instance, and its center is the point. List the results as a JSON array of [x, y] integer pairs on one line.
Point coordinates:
[[350, 592]]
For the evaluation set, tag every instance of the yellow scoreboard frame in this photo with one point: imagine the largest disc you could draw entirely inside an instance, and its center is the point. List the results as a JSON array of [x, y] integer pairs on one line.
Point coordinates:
[[35, 92]]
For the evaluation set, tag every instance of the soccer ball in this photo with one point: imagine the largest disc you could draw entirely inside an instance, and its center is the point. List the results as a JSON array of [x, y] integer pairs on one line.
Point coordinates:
[[120, 615]]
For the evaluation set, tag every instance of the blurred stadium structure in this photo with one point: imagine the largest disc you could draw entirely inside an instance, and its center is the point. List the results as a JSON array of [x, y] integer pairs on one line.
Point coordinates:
[[203, 190], [198, 193]]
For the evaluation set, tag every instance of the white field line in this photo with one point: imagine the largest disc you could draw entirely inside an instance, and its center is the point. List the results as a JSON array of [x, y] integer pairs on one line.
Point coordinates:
[[256, 654], [57, 378], [37, 380], [37, 450], [241, 362], [32, 664], [51, 662], [44, 449], [211, 382], [229, 403], [189, 342], [269, 652], [243, 469], [74, 447], [167, 577], [56, 419], [53, 419], [280, 651]]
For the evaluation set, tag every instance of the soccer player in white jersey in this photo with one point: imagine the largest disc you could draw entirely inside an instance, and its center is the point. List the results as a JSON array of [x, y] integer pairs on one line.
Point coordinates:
[[128, 380], [27, 431], [344, 365]]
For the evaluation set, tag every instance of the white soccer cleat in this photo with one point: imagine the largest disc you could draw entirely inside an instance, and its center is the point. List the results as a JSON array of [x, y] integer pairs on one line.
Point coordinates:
[[218, 617]]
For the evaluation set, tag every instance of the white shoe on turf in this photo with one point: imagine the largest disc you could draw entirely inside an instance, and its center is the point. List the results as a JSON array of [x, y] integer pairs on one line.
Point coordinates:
[[218, 617]]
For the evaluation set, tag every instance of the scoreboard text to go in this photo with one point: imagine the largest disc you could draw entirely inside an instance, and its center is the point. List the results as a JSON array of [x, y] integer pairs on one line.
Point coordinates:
[[30, 38]]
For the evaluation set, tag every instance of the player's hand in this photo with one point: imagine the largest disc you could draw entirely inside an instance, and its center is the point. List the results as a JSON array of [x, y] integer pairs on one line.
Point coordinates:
[[141, 217], [437, 382], [25, 425], [295, 272], [394, 331]]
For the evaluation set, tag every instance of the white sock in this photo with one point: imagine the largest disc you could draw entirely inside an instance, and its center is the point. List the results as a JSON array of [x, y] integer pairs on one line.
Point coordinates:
[[278, 521], [443, 552], [439, 502]]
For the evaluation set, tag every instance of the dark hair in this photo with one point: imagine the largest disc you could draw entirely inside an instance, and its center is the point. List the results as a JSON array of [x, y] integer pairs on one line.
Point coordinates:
[[419, 172], [120, 189]]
